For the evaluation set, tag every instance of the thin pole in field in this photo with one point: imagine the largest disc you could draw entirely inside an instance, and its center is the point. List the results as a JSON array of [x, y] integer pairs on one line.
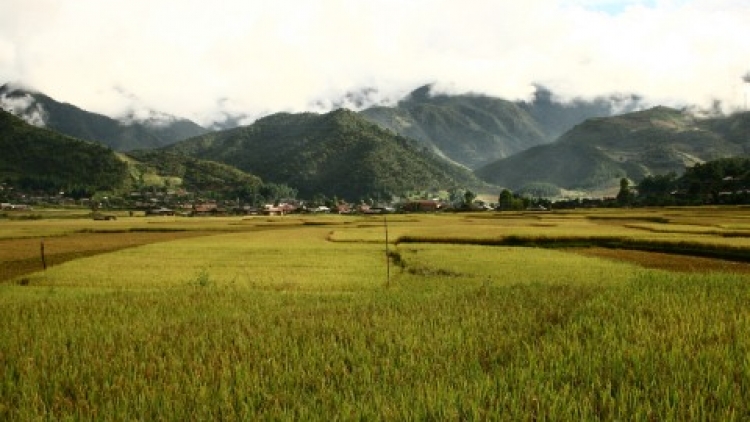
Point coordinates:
[[44, 262], [387, 257]]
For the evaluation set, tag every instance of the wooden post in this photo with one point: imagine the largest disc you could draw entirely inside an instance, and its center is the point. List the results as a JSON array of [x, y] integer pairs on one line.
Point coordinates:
[[387, 256], [44, 262]]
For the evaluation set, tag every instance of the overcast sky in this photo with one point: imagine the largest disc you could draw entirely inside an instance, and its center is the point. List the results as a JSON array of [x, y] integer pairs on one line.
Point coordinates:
[[199, 59]]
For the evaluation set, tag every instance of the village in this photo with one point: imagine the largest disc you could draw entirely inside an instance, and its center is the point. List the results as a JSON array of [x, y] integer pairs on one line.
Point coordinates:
[[191, 204]]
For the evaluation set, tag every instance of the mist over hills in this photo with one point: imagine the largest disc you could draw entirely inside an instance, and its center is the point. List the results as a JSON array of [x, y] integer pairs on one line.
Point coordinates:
[[595, 154], [158, 129], [475, 130], [555, 117]]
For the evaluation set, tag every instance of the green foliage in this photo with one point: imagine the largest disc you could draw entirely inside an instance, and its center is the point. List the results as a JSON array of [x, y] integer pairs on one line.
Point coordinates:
[[624, 196], [658, 189], [509, 201], [43, 160], [469, 197], [539, 190], [714, 176], [505, 200], [720, 181], [723, 181]]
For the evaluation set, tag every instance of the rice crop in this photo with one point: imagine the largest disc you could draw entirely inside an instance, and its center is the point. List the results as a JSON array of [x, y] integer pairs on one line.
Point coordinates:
[[297, 323]]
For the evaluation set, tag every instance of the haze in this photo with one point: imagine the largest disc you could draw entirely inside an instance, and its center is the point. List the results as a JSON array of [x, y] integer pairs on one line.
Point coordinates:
[[205, 60]]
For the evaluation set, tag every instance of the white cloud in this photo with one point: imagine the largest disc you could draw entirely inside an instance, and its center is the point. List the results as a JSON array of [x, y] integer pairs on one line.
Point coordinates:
[[25, 107], [200, 60]]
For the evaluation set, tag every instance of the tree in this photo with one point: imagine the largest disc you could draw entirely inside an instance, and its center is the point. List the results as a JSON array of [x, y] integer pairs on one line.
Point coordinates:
[[540, 190], [505, 200], [624, 196], [657, 189], [455, 195], [469, 198]]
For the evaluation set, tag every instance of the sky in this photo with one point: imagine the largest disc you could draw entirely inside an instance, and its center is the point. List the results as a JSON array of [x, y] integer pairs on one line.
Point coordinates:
[[204, 60]]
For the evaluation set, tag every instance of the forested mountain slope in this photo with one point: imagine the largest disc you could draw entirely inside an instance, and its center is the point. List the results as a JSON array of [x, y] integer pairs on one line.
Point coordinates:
[[338, 153], [596, 153], [34, 158]]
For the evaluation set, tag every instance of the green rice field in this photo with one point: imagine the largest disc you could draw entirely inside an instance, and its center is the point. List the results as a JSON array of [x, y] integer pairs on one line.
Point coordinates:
[[580, 315]]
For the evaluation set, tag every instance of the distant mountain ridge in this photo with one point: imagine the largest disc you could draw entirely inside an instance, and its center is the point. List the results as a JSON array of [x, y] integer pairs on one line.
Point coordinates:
[[470, 130], [336, 154], [40, 110], [474, 130], [597, 153]]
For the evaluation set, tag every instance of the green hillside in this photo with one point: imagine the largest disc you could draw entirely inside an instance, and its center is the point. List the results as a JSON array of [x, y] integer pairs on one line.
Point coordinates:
[[149, 169], [39, 159], [735, 128], [334, 154], [597, 153], [73, 121]]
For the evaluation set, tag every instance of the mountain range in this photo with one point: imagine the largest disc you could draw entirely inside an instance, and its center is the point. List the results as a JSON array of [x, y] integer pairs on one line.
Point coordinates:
[[475, 130], [426, 141], [598, 152], [335, 154]]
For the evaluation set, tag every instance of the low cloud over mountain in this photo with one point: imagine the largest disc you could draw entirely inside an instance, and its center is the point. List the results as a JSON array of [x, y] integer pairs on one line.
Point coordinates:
[[206, 61]]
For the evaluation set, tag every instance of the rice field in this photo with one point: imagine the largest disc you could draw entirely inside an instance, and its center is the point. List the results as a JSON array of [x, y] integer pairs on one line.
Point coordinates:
[[304, 318]]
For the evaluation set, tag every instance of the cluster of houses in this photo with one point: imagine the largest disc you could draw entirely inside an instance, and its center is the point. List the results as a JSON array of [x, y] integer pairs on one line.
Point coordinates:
[[184, 204], [7, 206], [213, 208], [168, 205], [174, 203]]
